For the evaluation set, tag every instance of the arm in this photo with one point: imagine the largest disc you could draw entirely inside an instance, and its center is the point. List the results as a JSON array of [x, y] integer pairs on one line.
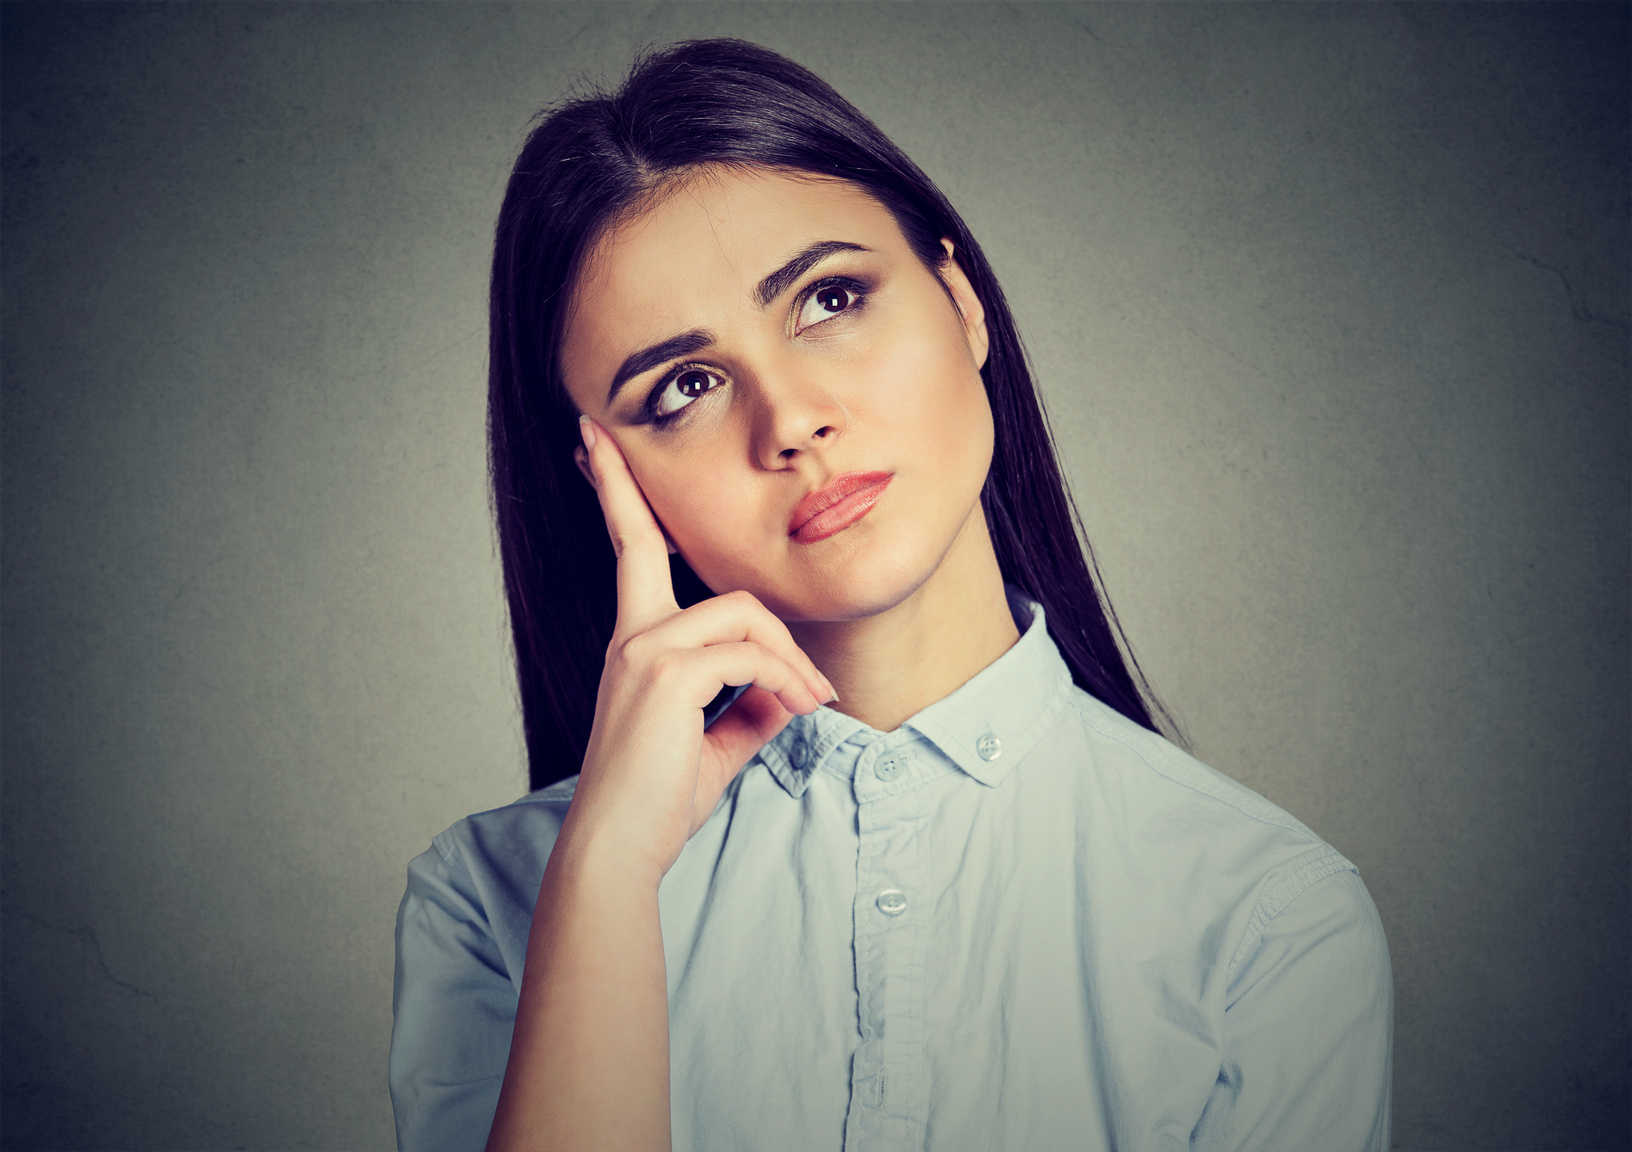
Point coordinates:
[[1308, 1031], [588, 1064], [589, 1055], [452, 1006]]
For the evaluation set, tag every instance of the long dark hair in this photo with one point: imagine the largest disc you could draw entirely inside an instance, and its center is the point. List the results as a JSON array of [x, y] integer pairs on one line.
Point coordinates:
[[591, 159]]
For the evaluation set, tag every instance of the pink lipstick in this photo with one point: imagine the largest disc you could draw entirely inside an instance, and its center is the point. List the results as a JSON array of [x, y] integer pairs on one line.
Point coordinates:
[[837, 505]]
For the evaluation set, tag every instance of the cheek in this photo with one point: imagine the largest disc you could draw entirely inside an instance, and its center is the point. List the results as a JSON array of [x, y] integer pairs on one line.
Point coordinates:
[[709, 513], [929, 396]]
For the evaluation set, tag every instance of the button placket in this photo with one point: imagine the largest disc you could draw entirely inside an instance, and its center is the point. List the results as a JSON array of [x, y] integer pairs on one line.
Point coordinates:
[[889, 954]]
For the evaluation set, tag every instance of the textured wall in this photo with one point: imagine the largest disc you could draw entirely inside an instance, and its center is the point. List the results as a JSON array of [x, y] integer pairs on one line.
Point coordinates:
[[1330, 306]]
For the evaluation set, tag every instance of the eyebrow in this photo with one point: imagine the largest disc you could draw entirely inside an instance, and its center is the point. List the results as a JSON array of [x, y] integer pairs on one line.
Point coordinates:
[[777, 282], [648, 358], [697, 339]]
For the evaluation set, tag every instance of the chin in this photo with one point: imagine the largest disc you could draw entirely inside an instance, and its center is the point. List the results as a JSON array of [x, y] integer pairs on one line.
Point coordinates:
[[864, 576]]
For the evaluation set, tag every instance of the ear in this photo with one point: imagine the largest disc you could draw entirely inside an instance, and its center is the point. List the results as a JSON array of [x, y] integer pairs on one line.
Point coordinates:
[[969, 306]]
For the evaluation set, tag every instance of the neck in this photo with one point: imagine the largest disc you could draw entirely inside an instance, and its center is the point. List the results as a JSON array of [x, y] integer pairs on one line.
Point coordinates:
[[889, 666]]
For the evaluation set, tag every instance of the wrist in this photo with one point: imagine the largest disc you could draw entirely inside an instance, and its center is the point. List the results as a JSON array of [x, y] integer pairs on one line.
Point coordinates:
[[592, 854]]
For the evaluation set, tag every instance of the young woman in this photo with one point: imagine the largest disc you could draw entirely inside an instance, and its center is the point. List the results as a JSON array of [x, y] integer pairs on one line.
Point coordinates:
[[759, 417]]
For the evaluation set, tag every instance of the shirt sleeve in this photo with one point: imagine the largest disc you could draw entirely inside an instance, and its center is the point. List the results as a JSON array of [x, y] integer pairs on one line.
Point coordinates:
[[1308, 1031], [453, 1007]]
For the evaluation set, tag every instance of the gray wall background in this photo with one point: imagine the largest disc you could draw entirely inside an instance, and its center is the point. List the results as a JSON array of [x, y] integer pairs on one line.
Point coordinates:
[[1330, 307]]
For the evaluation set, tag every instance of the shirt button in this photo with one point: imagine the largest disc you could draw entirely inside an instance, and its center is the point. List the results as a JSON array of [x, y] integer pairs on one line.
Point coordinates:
[[888, 767], [989, 747], [892, 901], [800, 752]]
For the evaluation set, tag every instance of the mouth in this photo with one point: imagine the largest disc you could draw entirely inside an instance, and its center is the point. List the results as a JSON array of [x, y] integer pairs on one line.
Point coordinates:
[[833, 508]]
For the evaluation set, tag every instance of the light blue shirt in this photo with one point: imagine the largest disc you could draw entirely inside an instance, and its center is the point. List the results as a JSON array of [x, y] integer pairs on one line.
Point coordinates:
[[1020, 921]]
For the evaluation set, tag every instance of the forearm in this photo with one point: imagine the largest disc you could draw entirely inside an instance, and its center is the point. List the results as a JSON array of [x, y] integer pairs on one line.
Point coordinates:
[[589, 1058]]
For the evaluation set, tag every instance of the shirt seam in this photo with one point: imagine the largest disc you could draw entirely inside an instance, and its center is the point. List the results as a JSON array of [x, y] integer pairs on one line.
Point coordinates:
[[464, 882], [455, 859], [538, 796], [1033, 736], [542, 795], [1283, 893], [1205, 788]]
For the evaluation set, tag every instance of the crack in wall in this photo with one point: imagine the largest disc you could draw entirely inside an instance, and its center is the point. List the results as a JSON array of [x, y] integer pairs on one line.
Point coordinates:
[[87, 938], [1576, 308]]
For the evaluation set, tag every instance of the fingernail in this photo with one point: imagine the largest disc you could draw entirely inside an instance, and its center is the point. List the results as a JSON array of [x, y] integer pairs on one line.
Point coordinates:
[[587, 427]]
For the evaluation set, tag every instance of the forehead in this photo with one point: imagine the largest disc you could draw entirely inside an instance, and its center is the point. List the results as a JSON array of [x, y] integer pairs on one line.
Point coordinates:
[[697, 252]]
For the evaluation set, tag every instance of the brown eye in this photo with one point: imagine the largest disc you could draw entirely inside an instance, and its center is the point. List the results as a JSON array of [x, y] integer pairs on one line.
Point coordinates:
[[826, 302], [684, 387], [833, 299]]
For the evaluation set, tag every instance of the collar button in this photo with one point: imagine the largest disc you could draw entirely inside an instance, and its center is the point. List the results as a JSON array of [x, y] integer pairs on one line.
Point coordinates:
[[989, 747]]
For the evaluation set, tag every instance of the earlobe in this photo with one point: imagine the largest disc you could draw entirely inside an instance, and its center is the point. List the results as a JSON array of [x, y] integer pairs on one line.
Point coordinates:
[[969, 305]]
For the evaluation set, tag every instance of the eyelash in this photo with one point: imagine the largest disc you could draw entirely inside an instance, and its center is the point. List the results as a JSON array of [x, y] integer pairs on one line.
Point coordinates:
[[859, 292]]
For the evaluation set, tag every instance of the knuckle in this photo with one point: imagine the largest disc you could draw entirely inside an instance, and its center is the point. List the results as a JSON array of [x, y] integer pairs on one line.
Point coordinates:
[[772, 667], [746, 603], [769, 623], [666, 667], [625, 537], [637, 649]]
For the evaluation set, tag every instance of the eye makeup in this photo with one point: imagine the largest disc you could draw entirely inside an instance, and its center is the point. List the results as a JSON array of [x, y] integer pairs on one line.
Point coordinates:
[[826, 291], [837, 295]]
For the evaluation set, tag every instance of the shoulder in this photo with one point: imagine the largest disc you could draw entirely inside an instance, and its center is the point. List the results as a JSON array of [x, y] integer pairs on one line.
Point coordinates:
[[461, 948], [506, 843], [470, 895], [1203, 839], [540, 809], [1164, 776]]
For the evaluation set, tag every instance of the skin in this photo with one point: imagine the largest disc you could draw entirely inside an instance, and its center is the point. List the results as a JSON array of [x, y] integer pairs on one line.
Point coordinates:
[[894, 612]]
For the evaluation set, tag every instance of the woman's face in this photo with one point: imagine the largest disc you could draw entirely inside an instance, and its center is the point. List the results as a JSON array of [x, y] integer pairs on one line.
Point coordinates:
[[765, 346]]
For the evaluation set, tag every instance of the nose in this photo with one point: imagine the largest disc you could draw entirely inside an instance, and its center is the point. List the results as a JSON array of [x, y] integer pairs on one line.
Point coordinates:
[[795, 414]]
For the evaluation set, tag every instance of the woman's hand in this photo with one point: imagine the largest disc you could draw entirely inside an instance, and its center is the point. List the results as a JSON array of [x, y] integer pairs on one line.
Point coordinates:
[[652, 774], [589, 1056]]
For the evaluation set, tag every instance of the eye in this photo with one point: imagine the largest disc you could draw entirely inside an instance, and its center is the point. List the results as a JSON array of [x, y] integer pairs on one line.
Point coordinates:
[[827, 301], [682, 388]]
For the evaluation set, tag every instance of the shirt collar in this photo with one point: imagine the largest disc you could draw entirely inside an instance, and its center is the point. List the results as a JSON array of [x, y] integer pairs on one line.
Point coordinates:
[[985, 727]]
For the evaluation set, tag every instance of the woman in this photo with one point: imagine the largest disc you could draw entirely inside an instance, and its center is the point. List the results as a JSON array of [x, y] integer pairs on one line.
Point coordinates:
[[933, 879]]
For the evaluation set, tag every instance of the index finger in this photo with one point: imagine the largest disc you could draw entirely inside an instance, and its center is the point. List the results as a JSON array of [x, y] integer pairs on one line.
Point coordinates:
[[645, 588]]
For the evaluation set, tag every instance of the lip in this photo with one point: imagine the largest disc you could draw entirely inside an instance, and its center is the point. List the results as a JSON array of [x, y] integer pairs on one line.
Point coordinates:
[[838, 504]]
